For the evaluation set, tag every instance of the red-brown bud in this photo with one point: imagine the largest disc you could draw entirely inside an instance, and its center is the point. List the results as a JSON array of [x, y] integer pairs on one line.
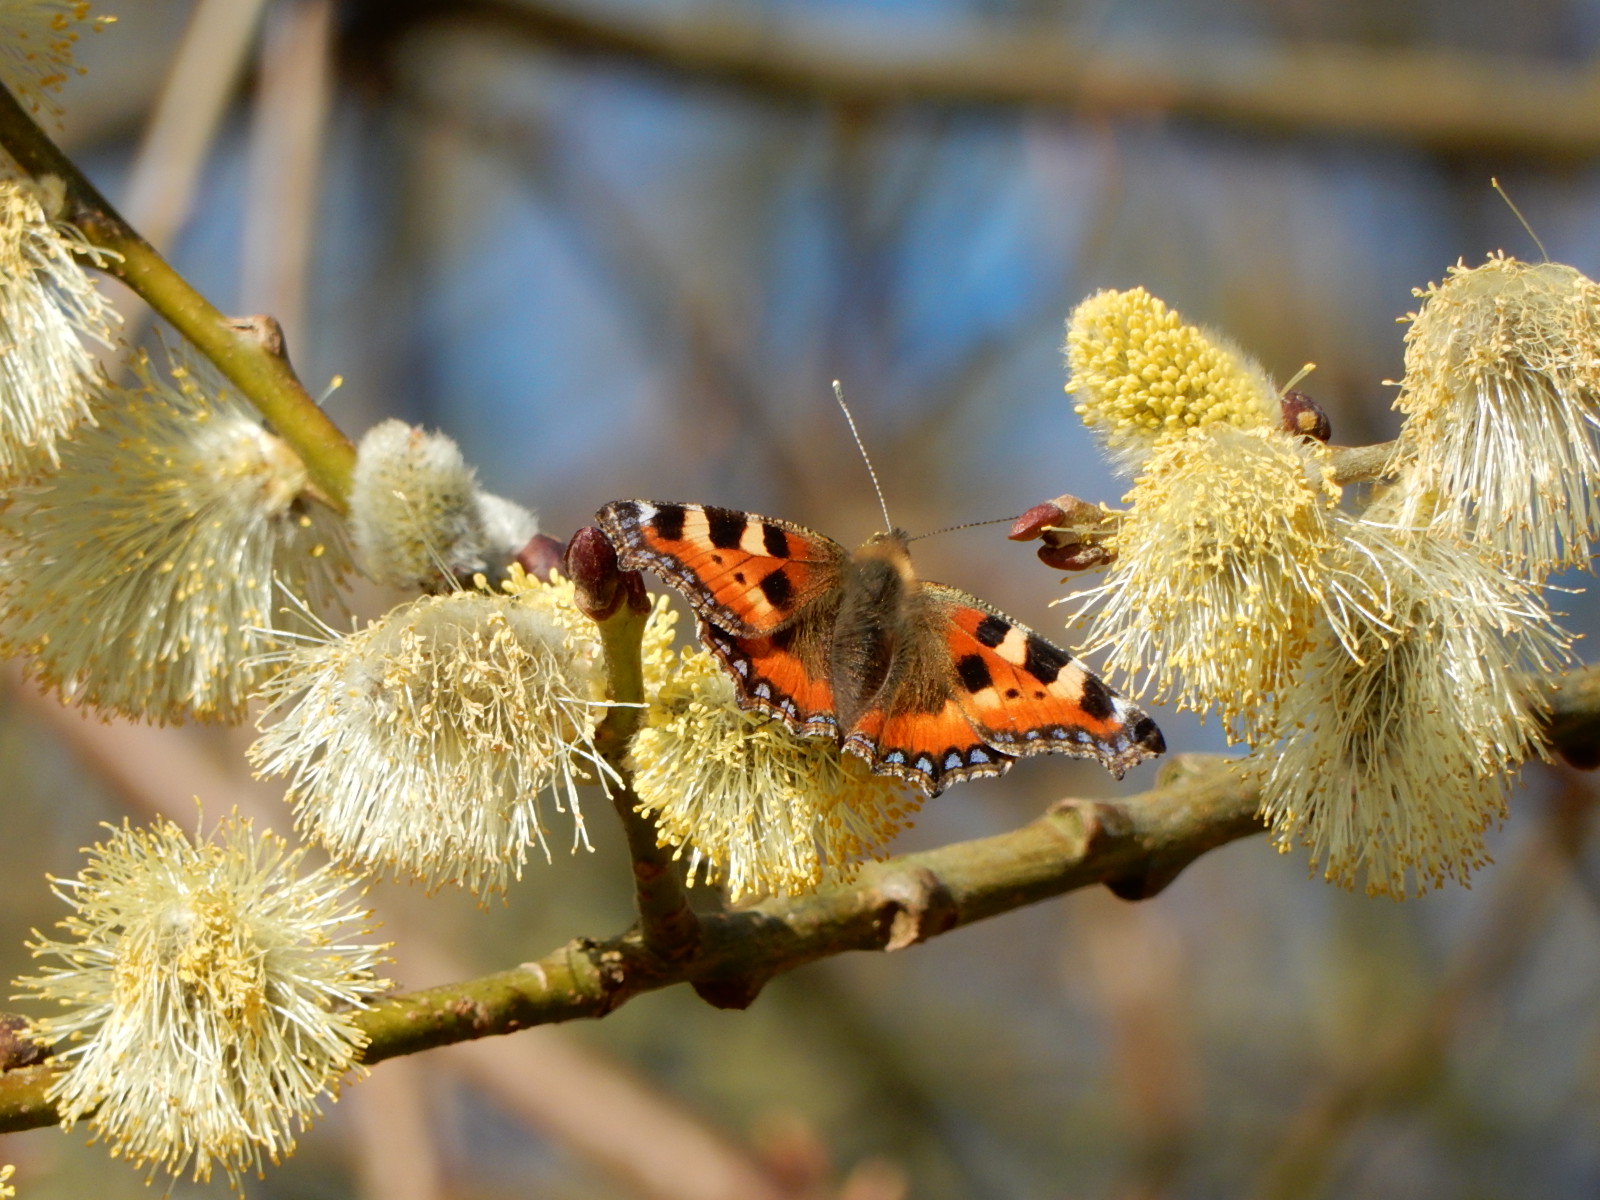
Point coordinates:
[[1073, 532], [602, 585], [1304, 416], [1054, 518], [541, 555], [1032, 523], [1080, 556]]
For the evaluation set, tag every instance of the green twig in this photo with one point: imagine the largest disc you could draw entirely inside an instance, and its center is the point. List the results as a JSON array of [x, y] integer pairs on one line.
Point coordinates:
[[260, 371], [668, 925]]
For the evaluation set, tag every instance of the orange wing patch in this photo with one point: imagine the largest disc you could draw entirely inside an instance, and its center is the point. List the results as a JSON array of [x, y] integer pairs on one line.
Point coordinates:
[[930, 750], [770, 676], [751, 575]]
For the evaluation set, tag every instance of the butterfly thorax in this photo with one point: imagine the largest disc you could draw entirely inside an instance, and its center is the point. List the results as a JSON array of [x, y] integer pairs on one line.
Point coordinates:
[[874, 618]]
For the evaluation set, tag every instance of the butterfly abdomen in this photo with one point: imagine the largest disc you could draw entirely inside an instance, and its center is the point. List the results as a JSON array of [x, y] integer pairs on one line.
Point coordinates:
[[875, 597]]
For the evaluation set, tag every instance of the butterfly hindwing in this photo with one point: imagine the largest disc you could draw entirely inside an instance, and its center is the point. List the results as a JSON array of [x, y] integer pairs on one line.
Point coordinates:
[[1025, 696], [930, 750], [783, 673], [747, 574]]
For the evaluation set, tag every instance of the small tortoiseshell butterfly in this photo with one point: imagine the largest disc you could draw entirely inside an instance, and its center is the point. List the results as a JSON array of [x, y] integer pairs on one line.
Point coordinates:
[[921, 680]]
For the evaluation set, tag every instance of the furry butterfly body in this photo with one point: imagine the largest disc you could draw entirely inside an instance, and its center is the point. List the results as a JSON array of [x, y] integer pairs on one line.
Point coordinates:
[[923, 681]]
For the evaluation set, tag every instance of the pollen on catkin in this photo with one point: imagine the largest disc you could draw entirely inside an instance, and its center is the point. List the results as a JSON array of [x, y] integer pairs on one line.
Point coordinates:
[[36, 41], [204, 994], [1403, 729], [139, 577], [1219, 574], [1142, 375], [418, 518], [48, 307], [1502, 397], [419, 746], [762, 809]]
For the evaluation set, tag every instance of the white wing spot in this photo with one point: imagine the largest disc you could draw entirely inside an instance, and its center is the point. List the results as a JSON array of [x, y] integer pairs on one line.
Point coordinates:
[[753, 540], [1013, 647]]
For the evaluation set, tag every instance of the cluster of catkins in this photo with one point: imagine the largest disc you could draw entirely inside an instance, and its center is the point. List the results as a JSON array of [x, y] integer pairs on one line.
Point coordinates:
[[1374, 642]]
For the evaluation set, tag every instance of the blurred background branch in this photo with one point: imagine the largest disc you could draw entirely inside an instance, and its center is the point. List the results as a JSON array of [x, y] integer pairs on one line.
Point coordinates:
[[1433, 99]]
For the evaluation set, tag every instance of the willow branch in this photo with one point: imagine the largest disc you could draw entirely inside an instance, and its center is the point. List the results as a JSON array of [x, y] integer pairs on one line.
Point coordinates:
[[252, 363], [1134, 846], [1352, 464]]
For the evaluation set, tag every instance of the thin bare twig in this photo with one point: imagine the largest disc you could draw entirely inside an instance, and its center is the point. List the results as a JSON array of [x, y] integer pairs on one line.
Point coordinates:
[[286, 145]]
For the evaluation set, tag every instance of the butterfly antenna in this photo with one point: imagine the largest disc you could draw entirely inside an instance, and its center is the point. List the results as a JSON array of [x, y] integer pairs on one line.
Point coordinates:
[[1517, 212], [838, 394], [967, 525]]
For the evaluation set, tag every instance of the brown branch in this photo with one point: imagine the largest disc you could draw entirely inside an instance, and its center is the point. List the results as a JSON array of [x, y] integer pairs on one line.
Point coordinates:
[[1134, 846], [891, 905], [620, 607], [1445, 100]]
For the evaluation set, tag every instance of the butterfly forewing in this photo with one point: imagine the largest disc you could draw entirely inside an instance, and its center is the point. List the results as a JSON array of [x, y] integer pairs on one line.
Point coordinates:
[[749, 575]]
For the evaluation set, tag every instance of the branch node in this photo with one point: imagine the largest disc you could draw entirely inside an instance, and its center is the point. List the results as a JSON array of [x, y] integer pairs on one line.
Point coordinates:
[[17, 1045], [608, 967], [1142, 885], [263, 330], [1179, 768], [916, 906], [732, 991], [1569, 711], [1099, 824]]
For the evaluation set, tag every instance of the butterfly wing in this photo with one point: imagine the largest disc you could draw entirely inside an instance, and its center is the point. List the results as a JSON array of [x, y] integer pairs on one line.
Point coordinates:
[[970, 691], [750, 576], [987, 691], [783, 673], [1025, 696], [930, 748]]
